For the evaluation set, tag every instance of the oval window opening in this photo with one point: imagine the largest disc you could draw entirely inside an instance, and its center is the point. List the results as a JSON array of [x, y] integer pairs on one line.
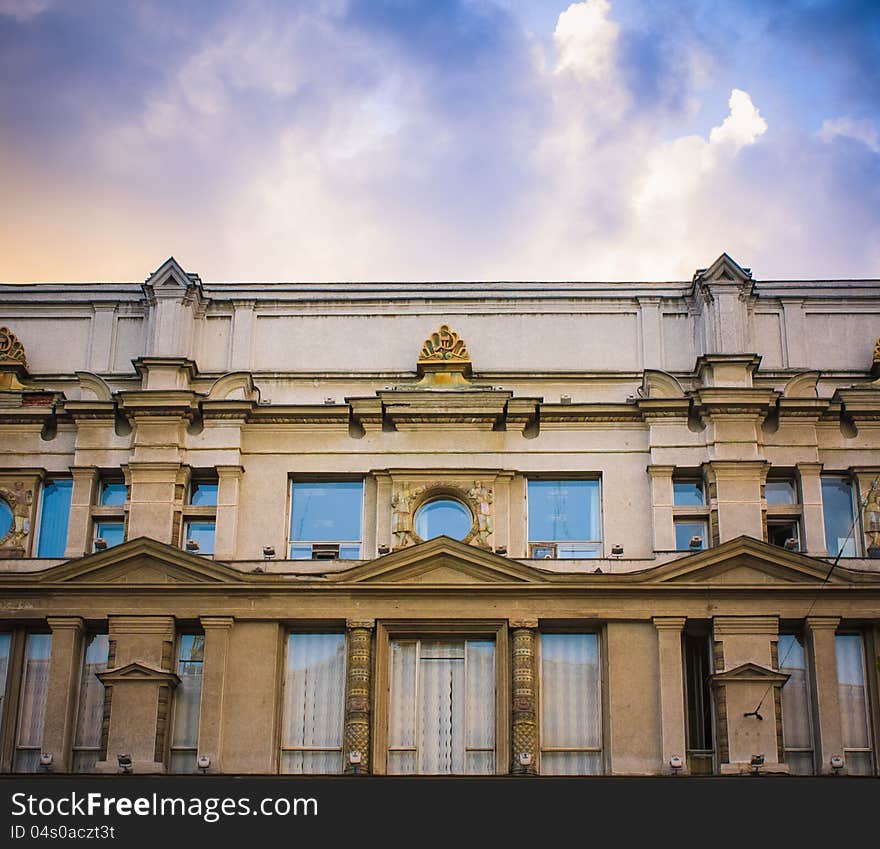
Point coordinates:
[[443, 517]]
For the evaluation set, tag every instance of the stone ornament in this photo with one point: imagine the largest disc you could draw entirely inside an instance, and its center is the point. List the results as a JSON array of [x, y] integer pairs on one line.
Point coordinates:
[[11, 349], [406, 499], [19, 501], [872, 519], [444, 345]]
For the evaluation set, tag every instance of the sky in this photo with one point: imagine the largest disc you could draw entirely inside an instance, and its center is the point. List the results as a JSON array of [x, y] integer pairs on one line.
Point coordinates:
[[439, 139]]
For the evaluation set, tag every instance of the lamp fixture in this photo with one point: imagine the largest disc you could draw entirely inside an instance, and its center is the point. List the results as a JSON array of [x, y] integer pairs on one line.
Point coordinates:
[[696, 542], [125, 765], [100, 544], [192, 545], [268, 552]]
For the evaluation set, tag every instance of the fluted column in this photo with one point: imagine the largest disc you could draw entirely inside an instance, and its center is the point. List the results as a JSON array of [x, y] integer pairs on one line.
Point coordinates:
[[524, 731], [358, 696]]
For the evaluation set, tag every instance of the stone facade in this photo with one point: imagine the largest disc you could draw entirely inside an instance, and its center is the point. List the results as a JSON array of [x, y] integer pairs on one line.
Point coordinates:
[[462, 392]]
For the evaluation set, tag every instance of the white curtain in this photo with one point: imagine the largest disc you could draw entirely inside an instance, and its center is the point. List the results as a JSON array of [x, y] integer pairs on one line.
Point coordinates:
[[442, 707], [314, 704], [32, 712], [570, 704], [796, 730], [853, 702], [90, 715]]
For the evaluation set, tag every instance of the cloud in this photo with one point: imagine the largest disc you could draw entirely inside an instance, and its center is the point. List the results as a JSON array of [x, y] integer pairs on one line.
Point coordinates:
[[863, 131], [427, 139], [23, 10]]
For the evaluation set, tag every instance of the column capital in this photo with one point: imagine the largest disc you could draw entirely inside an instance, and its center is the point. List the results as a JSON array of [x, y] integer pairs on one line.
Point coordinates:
[[217, 622], [369, 624], [823, 623], [660, 471], [60, 623], [163, 625], [669, 623], [726, 625], [810, 468], [232, 471], [523, 623]]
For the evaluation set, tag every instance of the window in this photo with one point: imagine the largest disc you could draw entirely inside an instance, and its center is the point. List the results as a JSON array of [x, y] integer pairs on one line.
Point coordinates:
[[108, 515], [90, 712], [442, 707], [32, 703], [797, 733], [854, 710], [690, 515], [200, 515], [314, 698], [443, 517], [564, 518], [838, 506], [187, 702], [326, 520], [54, 516], [698, 698], [571, 715], [783, 506], [5, 648]]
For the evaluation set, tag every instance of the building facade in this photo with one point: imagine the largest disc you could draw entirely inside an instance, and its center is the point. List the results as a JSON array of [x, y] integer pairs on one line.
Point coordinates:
[[494, 528]]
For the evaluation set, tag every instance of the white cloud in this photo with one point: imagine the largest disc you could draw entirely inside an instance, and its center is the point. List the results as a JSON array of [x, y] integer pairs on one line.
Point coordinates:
[[23, 10], [586, 39], [742, 126], [851, 128]]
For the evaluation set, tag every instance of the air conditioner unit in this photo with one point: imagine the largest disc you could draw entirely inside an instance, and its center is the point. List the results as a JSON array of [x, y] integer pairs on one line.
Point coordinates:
[[325, 551]]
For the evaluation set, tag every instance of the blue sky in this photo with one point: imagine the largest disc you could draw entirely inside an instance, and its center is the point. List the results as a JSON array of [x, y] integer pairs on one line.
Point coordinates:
[[453, 139]]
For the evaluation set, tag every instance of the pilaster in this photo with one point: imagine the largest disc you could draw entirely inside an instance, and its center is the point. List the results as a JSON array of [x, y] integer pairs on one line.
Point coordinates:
[[524, 714], [662, 501], [358, 696], [672, 716], [79, 522], [211, 716], [826, 692], [226, 522], [61, 695]]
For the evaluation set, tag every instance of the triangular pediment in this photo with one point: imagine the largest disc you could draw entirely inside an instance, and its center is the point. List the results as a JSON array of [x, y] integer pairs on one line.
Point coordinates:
[[745, 561], [170, 280], [725, 269], [442, 561], [138, 672], [142, 562], [749, 673]]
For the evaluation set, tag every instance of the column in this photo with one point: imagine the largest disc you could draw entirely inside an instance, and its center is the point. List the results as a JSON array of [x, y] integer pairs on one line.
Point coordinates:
[[652, 333], [672, 714], [102, 337], [211, 716], [65, 667], [814, 518], [662, 503], [226, 520], [358, 696], [243, 320], [740, 509], [152, 502], [524, 731], [79, 523], [826, 700]]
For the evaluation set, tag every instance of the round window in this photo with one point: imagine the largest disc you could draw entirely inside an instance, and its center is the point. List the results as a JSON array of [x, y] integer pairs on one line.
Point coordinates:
[[5, 518], [443, 517]]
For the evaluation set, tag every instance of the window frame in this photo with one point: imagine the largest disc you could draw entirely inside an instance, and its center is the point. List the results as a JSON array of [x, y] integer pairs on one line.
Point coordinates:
[[15, 724], [171, 749], [199, 513], [800, 636], [601, 695], [280, 748], [693, 513], [868, 686], [50, 480], [693, 753], [290, 542], [105, 514], [777, 515], [855, 503], [480, 629], [552, 546], [74, 748]]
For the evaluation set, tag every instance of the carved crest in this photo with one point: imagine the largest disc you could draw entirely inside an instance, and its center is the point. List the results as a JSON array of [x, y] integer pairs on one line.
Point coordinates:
[[444, 345], [877, 351], [11, 349]]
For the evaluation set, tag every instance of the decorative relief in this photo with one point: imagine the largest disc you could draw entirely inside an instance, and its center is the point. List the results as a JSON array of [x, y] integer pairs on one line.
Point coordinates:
[[11, 349], [406, 499], [444, 345], [19, 500], [872, 518], [876, 358]]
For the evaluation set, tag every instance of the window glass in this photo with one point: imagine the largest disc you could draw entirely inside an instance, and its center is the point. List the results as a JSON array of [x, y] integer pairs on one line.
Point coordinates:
[[853, 697], [443, 517], [54, 517], [686, 530], [113, 494], [797, 734], [327, 511], [571, 725], [111, 532], [780, 492], [442, 707], [203, 494], [837, 505], [187, 701], [5, 518], [90, 714], [5, 643], [202, 533], [688, 493], [314, 697], [32, 704], [564, 511]]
